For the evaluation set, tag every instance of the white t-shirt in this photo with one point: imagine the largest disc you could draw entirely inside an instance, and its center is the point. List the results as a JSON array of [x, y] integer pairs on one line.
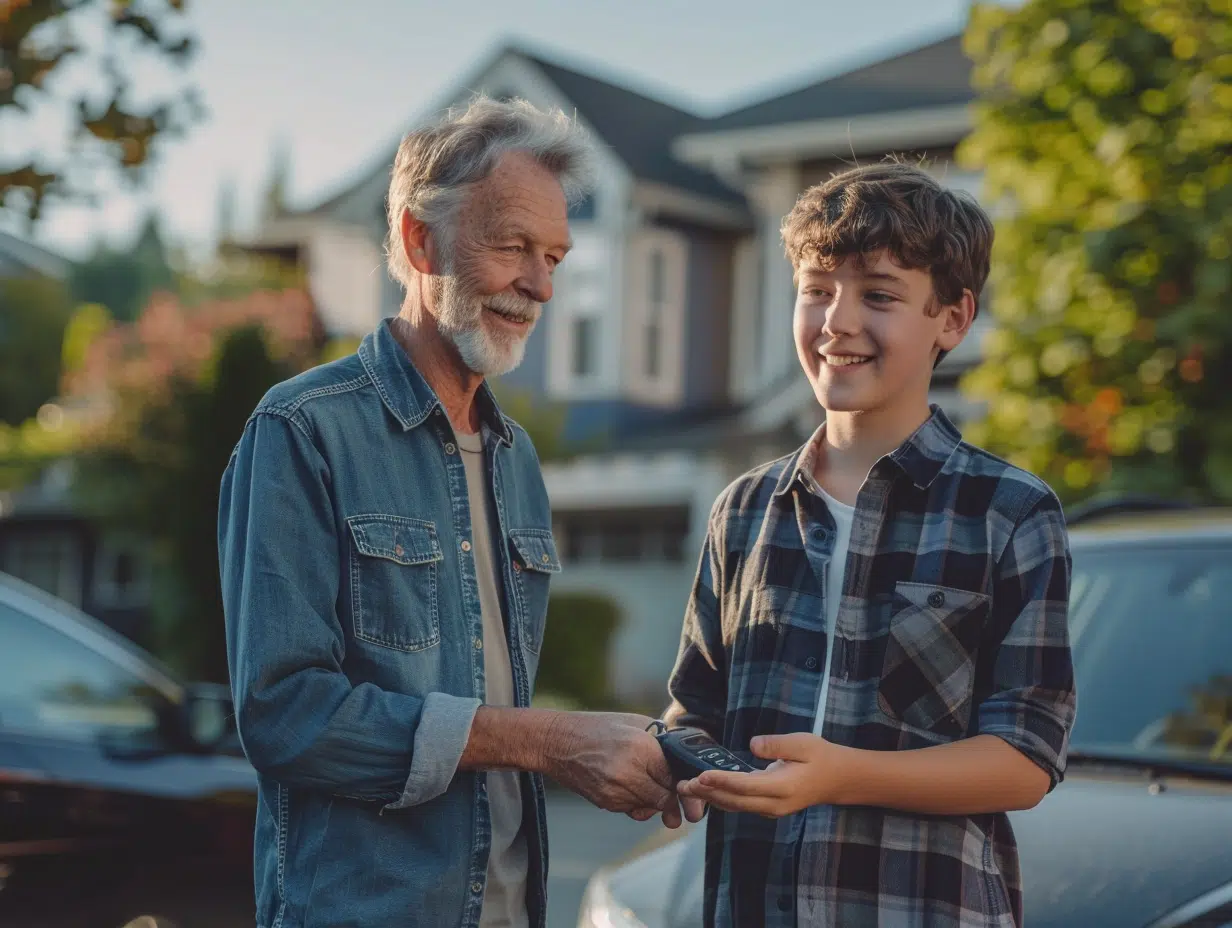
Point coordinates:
[[843, 517]]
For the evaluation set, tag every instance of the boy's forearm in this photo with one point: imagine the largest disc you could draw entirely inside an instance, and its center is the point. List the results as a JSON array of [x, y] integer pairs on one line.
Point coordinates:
[[969, 777]]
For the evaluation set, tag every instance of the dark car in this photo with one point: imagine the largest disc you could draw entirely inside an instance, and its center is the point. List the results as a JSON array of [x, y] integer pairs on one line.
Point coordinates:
[[123, 792], [1140, 831]]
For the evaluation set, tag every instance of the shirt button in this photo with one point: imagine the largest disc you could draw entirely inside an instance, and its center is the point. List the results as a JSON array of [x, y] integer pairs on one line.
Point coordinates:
[[517, 568], [478, 644], [476, 887], [936, 599], [811, 663], [818, 533], [450, 448], [398, 550], [466, 546], [545, 558]]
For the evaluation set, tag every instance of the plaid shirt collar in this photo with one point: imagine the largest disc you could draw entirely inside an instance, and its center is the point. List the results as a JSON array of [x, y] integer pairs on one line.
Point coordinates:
[[921, 457]]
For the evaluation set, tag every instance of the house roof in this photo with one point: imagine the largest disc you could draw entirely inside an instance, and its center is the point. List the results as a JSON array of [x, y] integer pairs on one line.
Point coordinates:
[[936, 74], [638, 128], [19, 257]]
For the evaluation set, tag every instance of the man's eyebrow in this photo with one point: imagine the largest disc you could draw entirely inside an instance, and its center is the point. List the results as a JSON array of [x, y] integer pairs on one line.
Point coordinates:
[[516, 231]]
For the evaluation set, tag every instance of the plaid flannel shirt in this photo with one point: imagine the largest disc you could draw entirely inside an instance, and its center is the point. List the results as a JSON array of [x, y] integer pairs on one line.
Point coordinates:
[[952, 623]]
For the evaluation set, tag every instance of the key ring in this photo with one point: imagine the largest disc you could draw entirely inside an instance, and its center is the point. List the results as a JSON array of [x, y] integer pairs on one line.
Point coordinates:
[[657, 724]]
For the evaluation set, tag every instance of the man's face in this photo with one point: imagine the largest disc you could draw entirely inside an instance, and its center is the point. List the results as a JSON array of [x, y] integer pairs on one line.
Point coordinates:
[[509, 235], [867, 336]]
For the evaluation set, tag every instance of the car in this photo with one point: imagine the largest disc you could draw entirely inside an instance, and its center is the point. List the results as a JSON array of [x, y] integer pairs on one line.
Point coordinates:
[[1139, 833], [123, 791]]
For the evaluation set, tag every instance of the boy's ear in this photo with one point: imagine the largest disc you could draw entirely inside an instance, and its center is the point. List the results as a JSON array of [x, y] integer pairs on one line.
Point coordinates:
[[957, 319]]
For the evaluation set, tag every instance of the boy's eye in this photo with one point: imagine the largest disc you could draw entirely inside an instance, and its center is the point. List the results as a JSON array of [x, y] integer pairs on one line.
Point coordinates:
[[879, 296]]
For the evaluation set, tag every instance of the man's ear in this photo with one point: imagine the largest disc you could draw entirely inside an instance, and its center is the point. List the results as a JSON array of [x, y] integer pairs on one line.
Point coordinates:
[[958, 318], [417, 244]]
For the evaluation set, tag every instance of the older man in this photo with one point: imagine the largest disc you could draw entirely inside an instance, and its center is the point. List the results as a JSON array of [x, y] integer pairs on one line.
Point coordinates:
[[386, 550]]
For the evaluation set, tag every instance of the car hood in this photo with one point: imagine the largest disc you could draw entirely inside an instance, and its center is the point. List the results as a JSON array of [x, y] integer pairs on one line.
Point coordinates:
[[1099, 850]]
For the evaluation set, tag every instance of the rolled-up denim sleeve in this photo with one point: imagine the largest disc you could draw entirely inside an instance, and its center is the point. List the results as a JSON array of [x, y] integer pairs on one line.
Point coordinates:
[[697, 687], [1032, 697], [300, 718]]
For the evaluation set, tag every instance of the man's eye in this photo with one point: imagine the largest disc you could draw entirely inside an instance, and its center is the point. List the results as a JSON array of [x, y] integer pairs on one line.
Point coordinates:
[[878, 297]]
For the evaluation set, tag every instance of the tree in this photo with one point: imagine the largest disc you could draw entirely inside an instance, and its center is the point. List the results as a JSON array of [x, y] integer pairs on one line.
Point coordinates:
[[163, 402], [46, 62], [34, 312], [125, 280], [1106, 129]]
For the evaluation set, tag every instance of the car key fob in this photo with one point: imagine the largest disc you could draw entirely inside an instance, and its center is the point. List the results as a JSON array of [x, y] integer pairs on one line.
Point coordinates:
[[690, 751]]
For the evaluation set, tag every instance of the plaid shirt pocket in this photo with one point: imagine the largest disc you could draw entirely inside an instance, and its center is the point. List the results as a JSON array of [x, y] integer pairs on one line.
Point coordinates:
[[928, 673]]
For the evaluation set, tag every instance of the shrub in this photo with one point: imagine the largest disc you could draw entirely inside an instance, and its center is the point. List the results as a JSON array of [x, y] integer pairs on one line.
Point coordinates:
[[573, 665]]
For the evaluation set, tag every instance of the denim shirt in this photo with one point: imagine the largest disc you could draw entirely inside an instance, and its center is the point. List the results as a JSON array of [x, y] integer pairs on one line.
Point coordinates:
[[354, 639]]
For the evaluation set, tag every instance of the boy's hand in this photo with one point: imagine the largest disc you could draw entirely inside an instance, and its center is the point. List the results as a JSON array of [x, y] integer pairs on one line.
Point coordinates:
[[807, 770]]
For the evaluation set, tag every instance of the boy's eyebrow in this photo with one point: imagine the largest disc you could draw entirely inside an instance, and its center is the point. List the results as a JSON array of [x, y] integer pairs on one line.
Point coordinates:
[[883, 275]]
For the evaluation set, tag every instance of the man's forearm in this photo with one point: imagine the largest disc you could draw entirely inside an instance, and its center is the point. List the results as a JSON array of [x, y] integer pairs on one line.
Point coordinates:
[[511, 739], [977, 775]]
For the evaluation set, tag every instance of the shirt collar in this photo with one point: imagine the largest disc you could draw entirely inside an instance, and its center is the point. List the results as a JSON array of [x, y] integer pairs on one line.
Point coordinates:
[[406, 393], [921, 457]]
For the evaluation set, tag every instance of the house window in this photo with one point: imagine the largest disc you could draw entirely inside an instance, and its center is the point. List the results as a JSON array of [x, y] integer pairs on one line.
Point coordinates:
[[120, 578], [584, 333], [49, 560], [646, 536], [654, 316]]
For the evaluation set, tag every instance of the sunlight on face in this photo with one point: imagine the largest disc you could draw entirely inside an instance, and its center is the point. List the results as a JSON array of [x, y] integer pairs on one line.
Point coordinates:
[[512, 232]]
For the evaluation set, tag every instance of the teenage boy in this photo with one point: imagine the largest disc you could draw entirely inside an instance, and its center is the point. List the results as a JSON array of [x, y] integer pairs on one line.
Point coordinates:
[[882, 614]]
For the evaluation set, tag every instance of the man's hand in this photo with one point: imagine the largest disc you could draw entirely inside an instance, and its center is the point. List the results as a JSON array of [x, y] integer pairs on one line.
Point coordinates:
[[807, 770], [611, 760]]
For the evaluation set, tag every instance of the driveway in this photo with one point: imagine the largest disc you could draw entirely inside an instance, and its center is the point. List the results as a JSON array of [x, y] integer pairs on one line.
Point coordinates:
[[581, 839]]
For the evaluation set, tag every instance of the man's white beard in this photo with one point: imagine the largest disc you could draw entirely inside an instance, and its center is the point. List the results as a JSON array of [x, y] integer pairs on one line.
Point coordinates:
[[459, 316]]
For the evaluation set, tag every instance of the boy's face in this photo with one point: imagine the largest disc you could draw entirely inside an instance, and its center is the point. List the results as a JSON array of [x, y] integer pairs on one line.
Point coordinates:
[[867, 336]]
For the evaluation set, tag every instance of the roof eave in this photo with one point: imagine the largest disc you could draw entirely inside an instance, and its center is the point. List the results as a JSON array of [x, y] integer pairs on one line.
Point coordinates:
[[918, 127]]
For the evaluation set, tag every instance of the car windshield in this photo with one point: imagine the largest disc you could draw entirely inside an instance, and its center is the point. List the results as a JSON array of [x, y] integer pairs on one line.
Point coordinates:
[[1151, 630]]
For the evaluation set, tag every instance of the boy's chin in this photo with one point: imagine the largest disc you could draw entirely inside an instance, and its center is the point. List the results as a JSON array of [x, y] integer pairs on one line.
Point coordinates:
[[842, 399]]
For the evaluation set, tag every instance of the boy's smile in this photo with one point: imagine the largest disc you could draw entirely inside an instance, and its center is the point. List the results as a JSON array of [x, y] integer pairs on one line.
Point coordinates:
[[867, 334]]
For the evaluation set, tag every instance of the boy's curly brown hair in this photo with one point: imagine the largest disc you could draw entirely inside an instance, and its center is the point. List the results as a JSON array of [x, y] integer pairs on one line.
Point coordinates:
[[900, 208]]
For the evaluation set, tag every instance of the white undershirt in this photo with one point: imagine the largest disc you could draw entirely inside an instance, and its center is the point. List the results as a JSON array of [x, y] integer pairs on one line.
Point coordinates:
[[843, 517]]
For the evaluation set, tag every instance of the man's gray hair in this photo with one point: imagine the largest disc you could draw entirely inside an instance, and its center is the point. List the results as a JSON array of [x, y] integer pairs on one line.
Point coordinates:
[[436, 165]]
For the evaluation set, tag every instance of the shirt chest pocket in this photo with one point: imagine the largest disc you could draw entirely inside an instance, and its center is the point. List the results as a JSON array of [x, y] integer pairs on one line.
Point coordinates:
[[395, 562], [534, 561], [928, 673]]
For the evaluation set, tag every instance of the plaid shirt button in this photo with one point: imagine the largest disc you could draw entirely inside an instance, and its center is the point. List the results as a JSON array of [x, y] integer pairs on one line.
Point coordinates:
[[936, 599], [811, 663]]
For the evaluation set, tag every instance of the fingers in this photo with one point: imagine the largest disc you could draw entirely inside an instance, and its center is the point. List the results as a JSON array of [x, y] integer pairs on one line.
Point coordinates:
[[763, 783], [736, 802], [798, 746], [694, 808], [643, 815]]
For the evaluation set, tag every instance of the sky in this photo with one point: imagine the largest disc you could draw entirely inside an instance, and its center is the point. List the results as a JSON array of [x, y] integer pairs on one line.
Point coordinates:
[[339, 82]]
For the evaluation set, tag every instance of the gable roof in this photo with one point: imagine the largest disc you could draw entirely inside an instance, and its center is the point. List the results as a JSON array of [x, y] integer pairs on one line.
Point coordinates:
[[936, 74], [638, 128]]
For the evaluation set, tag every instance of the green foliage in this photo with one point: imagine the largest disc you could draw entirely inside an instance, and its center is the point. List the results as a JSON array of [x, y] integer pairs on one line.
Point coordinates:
[[544, 422], [1106, 130], [34, 312], [163, 484], [573, 665], [41, 40], [125, 280]]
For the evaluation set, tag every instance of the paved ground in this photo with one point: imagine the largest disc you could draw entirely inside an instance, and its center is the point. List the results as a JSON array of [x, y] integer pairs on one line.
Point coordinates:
[[581, 839]]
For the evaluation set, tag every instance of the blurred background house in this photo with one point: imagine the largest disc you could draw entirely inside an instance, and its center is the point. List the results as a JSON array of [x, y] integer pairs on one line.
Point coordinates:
[[666, 350]]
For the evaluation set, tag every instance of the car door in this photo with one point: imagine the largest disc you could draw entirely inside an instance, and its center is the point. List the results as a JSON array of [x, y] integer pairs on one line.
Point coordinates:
[[123, 815]]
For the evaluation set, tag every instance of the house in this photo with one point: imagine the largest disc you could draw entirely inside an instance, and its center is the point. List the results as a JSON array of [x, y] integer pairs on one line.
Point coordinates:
[[667, 345]]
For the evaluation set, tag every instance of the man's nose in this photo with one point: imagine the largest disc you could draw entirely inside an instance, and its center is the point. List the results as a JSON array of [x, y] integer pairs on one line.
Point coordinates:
[[536, 281]]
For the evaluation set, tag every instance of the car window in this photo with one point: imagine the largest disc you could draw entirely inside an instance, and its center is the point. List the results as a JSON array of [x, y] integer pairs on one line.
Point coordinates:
[[1151, 631], [53, 685]]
